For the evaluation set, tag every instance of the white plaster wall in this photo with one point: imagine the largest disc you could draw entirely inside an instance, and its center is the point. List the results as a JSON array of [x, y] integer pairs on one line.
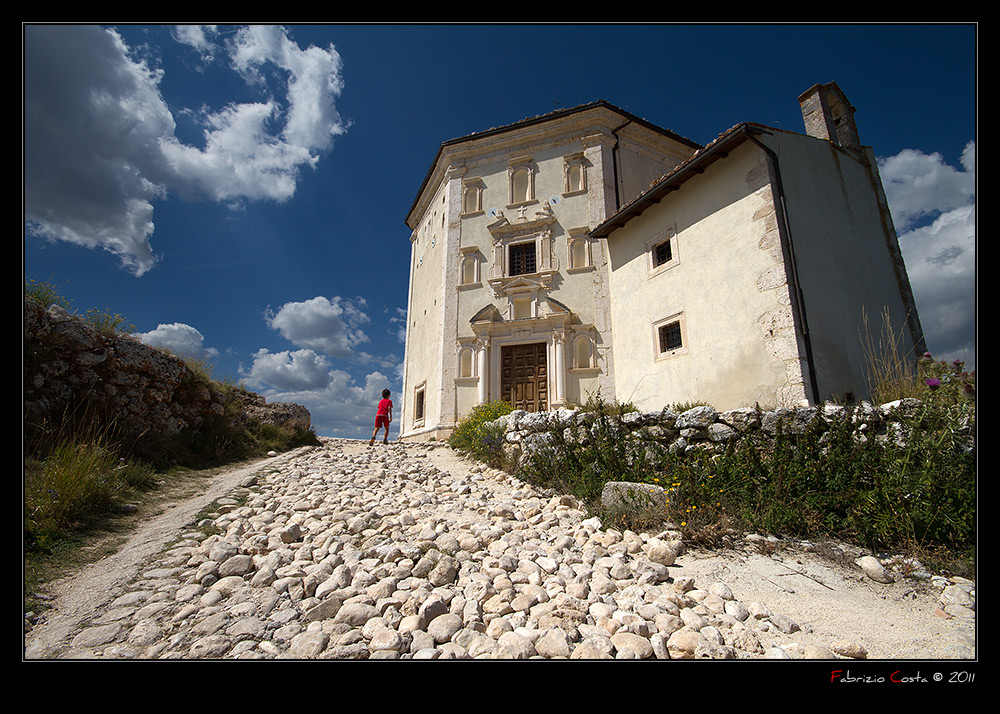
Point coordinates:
[[840, 238], [728, 283], [424, 356]]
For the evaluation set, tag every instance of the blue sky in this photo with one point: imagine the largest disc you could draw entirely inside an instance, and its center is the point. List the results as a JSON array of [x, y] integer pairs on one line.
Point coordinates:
[[238, 193]]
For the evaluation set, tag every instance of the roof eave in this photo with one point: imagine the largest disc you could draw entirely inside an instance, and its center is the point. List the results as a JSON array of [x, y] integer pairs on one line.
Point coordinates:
[[695, 166], [539, 120]]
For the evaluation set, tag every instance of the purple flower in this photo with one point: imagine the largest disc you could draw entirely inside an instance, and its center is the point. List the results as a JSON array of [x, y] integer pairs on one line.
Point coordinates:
[[933, 383]]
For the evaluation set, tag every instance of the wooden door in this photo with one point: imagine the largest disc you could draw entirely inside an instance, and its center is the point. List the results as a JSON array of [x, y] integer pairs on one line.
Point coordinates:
[[524, 378]]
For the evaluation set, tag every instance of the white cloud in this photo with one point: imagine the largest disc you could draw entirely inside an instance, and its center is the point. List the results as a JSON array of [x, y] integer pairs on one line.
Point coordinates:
[[92, 122], [315, 79], [100, 146], [331, 326], [337, 403], [934, 208], [298, 371], [324, 327], [199, 37], [398, 325], [180, 339], [919, 186]]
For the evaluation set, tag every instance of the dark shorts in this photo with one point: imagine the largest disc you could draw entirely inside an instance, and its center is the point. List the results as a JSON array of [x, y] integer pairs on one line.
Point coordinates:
[[381, 420]]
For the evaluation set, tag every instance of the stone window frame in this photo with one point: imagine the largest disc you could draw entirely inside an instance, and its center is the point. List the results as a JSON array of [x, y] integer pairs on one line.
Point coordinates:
[[419, 404], [654, 265], [517, 166], [467, 350], [570, 162], [579, 238], [469, 256], [472, 187], [505, 235], [587, 339], [546, 262], [659, 351], [522, 304], [530, 259]]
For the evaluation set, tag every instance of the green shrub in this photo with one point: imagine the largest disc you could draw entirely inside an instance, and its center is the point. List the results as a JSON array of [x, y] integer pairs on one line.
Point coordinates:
[[475, 435], [107, 323], [583, 458], [828, 482], [915, 489]]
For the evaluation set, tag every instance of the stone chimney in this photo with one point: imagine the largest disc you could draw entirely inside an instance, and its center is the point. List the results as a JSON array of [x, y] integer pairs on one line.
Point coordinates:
[[828, 115]]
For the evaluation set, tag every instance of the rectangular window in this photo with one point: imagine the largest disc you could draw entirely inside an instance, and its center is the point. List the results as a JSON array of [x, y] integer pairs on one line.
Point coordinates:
[[670, 337], [418, 407], [522, 258], [662, 254]]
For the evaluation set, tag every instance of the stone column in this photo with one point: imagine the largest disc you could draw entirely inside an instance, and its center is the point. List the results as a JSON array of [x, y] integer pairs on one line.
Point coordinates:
[[560, 348], [484, 372]]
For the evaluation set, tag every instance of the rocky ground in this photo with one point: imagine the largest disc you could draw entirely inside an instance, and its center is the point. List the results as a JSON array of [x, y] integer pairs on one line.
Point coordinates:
[[347, 551]]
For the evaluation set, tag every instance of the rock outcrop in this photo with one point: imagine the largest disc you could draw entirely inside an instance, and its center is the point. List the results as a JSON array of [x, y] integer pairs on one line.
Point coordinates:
[[74, 371]]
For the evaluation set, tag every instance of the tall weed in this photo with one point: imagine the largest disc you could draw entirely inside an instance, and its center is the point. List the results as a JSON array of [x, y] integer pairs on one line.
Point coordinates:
[[73, 485]]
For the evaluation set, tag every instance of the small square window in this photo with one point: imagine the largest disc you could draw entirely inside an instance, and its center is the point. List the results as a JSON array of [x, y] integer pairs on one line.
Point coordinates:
[[662, 254], [670, 337]]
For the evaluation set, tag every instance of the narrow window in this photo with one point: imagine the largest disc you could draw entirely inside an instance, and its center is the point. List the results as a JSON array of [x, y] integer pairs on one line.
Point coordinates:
[[574, 178], [582, 352], [521, 180], [469, 265], [574, 174], [521, 185], [465, 369], [418, 408], [578, 254], [472, 199]]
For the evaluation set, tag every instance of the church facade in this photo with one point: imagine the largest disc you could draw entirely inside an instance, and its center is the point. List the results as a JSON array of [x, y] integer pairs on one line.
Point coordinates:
[[588, 252]]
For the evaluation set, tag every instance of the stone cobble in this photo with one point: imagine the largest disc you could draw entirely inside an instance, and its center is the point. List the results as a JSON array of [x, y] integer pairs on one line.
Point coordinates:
[[353, 552]]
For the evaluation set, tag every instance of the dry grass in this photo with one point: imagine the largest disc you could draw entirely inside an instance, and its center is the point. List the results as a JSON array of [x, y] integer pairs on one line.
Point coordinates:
[[892, 369]]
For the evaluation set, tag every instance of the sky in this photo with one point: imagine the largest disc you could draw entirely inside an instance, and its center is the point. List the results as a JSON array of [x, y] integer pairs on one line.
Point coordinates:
[[238, 193]]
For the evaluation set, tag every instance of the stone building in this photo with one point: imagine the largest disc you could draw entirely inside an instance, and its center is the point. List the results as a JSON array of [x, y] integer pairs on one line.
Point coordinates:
[[588, 251]]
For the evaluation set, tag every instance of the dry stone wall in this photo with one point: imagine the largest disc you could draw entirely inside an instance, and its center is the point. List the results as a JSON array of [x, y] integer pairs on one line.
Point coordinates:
[[703, 428], [73, 370]]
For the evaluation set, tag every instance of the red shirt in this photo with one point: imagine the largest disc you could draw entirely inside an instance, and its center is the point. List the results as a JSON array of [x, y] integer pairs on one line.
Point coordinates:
[[383, 407]]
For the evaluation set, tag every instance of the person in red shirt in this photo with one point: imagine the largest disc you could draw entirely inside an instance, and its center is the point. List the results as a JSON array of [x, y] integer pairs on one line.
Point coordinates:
[[383, 417]]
